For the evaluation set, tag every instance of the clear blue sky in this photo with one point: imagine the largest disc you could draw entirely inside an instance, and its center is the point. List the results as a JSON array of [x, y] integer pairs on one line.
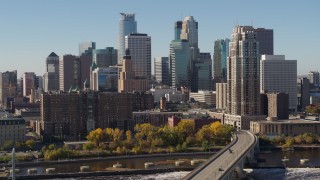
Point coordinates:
[[31, 30]]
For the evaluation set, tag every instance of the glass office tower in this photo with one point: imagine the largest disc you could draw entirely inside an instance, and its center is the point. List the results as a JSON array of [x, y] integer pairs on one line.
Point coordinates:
[[127, 25], [179, 63]]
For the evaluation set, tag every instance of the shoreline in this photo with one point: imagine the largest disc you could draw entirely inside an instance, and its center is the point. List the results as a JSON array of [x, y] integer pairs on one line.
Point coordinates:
[[97, 159]]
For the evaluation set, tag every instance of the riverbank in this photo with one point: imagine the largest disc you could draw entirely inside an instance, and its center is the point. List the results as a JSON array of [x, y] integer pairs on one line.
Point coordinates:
[[100, 159]]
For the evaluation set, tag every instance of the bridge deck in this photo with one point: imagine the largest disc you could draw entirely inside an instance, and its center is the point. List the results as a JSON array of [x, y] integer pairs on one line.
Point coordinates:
[[218, 167]]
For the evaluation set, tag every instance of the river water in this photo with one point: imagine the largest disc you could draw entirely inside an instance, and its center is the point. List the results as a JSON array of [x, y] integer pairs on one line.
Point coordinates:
[[271, 162]]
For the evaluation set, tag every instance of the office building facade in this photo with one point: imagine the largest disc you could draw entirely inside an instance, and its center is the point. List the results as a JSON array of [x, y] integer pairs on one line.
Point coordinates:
[[51, 76], [8, 85], [105, 79], [86, 48], [220, 55], [28, 83], [180, 63], [105, 57], [128, 81], [278, 75], [12, 129], [313, 77], [139, 46], [161, 70], [265, 39]]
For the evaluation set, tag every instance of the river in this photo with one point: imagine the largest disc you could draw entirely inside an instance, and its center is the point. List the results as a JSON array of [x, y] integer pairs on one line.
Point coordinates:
[[270, 162]]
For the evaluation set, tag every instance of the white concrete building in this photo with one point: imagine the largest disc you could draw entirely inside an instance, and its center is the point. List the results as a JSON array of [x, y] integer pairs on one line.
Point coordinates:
[[279, 75], [208, 97], [159, 91]]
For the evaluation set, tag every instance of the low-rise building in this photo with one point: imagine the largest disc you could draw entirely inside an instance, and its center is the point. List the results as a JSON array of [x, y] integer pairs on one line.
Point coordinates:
[[12, 129], [290, 127], [208, 97], [159, 91], [155, 118], [198, 122], [176, 97]]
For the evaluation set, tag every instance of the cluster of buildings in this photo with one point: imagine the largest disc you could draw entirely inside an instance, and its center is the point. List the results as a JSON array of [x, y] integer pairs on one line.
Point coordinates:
[[244, 81]]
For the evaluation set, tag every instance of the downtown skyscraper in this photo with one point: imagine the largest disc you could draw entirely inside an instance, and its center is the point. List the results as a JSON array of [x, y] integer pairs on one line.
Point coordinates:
[[127, 25], [220, 56], [243, 93], [139, 46], [51, 76], [243, 72]]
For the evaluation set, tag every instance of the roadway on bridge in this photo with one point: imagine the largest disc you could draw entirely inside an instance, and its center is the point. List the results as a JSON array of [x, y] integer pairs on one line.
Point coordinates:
[[216, 169]]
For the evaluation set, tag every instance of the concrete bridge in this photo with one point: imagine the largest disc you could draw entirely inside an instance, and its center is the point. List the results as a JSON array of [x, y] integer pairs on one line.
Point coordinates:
[[228, 163]]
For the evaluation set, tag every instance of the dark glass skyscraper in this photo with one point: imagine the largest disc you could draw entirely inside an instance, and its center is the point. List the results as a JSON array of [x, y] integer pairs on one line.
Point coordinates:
[[220, 55], [177, 29], [51, 77], [105, 57], [265, 39]]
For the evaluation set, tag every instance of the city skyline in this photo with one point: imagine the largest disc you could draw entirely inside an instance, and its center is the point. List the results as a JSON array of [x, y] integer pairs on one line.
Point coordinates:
[[32, 30]]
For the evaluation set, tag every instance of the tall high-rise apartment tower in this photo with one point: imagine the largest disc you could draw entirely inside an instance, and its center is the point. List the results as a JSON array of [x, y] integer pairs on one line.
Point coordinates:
[[243, 72], [127, 25]]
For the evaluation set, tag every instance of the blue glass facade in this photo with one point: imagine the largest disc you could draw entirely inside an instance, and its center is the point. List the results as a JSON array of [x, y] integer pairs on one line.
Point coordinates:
[[127, 25], [106, 79], [180, 63], [221, 53]]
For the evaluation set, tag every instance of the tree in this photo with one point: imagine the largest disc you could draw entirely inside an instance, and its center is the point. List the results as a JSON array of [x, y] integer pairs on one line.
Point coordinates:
[[97, 136], [185, 128], [89, 146], [52, 147], [7, 145], [204, 134], [168, 135], [30, 144], [205, 145]]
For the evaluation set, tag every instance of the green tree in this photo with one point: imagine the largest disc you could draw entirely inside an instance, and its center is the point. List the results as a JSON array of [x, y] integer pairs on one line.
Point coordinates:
[[168, 135], [185, 128], [97, 136], [7, 146], [89, 146], [205, 145], [30, 144], [204, 134]]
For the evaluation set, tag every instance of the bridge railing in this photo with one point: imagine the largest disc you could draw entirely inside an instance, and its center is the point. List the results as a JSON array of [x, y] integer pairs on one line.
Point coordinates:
[[211, 159]]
